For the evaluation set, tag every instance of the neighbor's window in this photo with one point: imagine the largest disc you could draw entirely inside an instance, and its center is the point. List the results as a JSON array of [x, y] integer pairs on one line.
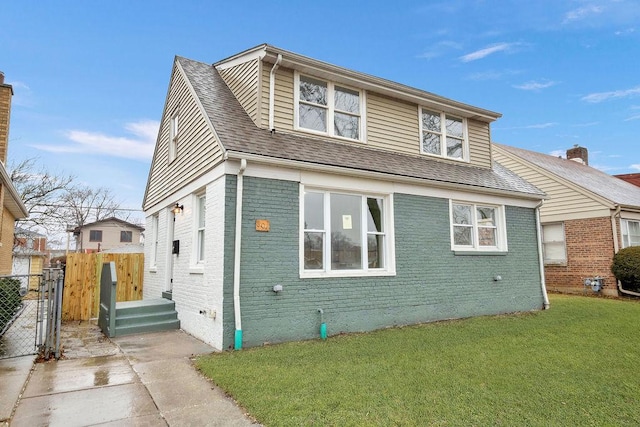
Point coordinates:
[[344, 232], [328, 108], [443, 135], [95, 235], [630, 233], [553, 244], [126, 236], [477, 227], [173, 136], [201, 206]]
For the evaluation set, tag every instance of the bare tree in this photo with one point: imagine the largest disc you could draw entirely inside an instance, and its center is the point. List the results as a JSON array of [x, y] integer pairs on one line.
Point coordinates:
[[40, 191], [83, 205]]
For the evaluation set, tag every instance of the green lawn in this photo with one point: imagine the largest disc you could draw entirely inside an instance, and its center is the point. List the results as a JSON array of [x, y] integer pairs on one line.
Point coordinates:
[[577, 364]]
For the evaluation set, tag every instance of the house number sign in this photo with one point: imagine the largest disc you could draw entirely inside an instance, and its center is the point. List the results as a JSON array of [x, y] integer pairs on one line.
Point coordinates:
[[262, 225]]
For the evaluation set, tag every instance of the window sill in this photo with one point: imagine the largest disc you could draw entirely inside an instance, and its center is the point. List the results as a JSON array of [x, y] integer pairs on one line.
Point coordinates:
[[555, 264], [346, 273], [481, 253], [435, 156], [327, 135], [153, 270], [196, 269]]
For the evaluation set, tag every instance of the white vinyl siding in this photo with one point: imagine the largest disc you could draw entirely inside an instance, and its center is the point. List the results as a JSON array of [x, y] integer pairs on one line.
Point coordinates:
[[553, 244], [243, 81], [199, 149]]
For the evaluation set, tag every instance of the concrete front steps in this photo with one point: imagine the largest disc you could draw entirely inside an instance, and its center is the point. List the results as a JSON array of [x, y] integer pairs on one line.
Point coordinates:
[[147, 315]]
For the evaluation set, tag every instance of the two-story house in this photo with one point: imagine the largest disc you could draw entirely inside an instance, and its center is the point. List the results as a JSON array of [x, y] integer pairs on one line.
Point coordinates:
[[106, 234], [286, 193]]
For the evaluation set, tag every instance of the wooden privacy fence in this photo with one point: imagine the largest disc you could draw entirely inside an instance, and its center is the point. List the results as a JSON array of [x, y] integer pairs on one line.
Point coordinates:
[[81, 298]]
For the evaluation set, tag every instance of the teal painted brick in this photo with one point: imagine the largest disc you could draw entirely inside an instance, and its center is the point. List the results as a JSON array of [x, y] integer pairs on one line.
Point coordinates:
[[431, 282]]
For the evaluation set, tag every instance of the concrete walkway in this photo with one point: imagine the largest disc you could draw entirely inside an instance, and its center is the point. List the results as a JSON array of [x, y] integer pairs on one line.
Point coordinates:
[[136, 380]]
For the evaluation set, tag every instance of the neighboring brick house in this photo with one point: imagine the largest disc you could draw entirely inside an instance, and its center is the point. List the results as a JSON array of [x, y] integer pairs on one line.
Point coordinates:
[[106, 234], [587, 217], [285, 191], [12, 206]]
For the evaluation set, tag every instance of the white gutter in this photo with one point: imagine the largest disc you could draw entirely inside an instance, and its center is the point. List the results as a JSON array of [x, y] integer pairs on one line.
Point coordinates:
[[616, 248], [236, 257], [272, 90], [543, 284]]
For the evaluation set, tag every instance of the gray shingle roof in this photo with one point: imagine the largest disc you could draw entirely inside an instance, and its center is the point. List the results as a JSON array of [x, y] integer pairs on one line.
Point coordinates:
[[238, 133], [611, 188]]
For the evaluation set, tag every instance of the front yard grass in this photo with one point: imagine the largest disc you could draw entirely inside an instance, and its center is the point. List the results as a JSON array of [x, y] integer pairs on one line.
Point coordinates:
[[576, 364]]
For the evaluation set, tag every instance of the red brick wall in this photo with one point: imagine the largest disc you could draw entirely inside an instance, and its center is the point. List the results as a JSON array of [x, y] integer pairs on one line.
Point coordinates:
[[589, 253]]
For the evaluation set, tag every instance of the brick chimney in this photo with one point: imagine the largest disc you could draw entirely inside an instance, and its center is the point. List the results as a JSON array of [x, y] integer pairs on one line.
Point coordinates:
[[578, 154], [6, 92]]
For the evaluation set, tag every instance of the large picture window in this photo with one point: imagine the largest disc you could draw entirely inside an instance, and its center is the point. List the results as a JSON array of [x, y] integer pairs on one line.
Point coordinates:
[[443, 135], [328, 108], [477, 227], [630, 233], [553, 244], [344, 232]]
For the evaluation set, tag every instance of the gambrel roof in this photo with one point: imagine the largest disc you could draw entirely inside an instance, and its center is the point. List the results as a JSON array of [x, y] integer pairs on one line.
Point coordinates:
[[615, 190], [241, 138]]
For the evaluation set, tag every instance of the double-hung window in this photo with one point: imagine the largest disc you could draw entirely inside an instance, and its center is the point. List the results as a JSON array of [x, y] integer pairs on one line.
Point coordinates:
[[173, 136], [201, 206], [328, 108], [443, 135], [553, 244], [477, 227], [126, 236], [95, 235], [344, 234], [630, 233]]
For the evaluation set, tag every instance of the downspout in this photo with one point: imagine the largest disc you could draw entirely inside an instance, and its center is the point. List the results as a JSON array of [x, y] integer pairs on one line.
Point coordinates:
[[272, 90], [616, 248], [543, 284], [236, 257]]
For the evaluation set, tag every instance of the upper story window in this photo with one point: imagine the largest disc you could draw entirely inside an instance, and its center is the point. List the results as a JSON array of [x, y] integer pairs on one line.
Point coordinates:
[[173, 136], [328, 108], [477, 227], [443, 135], [345, 234], [553, 244], [126, 236], [95, 235], [630, 233]]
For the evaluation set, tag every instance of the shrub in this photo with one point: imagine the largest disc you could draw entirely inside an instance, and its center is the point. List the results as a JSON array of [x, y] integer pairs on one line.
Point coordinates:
[[626, 267], [10, 300]]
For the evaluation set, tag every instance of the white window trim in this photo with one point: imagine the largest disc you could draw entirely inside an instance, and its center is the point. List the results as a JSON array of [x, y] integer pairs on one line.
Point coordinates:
[[564, 244], [330, 108], [624, 230], [155, 221], [501, 228], [443, 136], [389, 246], [174, 130], [196, 262]]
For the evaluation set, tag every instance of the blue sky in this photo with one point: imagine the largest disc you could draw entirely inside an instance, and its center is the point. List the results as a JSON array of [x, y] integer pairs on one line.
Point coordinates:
[[90, 78]]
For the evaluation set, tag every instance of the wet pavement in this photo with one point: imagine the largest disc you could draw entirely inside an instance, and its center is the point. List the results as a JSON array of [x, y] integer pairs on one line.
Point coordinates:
[[135, 380]]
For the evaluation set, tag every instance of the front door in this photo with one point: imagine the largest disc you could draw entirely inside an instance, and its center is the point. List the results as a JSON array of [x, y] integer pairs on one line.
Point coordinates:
[[170, 252]]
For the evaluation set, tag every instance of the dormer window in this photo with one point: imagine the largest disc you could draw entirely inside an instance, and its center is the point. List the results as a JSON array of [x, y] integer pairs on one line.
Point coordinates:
[[173, 137], [328, 108], [443, 135]]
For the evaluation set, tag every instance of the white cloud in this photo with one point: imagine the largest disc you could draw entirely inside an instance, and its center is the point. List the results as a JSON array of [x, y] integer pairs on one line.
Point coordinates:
[[482, 53], [584, 125], [558, 153], [534, 126], [439, 49], [636, 117], [625, 32], [604, 96], [582, 13], [22, 94], [535, 86], [635, 166], [138, 148]]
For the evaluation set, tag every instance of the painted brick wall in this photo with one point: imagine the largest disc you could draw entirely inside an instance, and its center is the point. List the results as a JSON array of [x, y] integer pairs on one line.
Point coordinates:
[[431, 282], [589, 253]]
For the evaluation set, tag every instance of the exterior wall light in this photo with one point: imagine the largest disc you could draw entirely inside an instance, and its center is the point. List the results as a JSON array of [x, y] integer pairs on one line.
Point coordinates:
[[178, 208]]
